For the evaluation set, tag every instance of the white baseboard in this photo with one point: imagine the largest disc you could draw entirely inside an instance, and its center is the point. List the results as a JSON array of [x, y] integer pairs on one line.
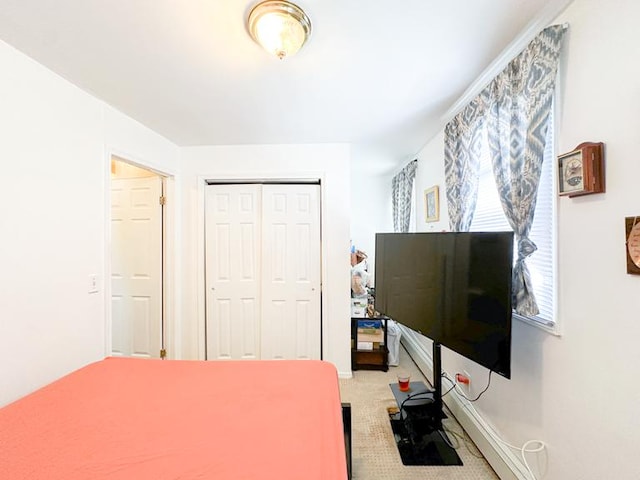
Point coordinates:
[[506, 465]]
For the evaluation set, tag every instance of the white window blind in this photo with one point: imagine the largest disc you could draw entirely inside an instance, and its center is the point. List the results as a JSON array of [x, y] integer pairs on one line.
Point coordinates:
[[489, 216]]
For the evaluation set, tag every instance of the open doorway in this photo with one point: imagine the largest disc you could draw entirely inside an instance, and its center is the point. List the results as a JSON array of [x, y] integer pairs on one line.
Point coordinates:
[[137, 280]]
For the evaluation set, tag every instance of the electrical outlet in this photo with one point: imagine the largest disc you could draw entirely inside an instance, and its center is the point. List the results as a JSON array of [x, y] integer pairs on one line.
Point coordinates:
[[467, 387], [463, 382]]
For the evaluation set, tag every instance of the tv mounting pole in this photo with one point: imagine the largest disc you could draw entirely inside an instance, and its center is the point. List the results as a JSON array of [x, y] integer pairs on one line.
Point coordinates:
[[437, 382]]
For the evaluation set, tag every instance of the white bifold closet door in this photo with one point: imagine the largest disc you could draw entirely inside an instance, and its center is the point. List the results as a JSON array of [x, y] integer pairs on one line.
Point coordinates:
[[262, 271]]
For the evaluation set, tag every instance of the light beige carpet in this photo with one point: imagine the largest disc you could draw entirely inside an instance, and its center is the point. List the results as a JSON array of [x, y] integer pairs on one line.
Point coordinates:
[[375, 455]]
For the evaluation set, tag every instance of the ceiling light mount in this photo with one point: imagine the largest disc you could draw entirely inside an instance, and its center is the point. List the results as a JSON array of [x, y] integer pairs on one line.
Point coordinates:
[[281, 27]]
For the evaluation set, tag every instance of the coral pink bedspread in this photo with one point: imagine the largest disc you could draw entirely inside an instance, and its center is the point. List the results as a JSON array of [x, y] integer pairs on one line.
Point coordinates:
[[135, 419]]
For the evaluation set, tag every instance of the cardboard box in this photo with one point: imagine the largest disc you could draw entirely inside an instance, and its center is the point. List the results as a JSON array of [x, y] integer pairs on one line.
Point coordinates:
[[371, 337], [365, 346]]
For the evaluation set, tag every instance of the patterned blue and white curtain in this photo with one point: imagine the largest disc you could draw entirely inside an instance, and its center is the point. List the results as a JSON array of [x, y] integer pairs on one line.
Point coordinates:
[[401, 191], [520, 100], [462, 146]]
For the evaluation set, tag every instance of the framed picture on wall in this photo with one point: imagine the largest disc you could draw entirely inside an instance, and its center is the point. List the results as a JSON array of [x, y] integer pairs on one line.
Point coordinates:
[[431, 204]]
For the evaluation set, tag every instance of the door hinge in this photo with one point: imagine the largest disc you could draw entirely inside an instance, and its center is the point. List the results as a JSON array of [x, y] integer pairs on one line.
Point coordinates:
[[163, 354], [163, 200]]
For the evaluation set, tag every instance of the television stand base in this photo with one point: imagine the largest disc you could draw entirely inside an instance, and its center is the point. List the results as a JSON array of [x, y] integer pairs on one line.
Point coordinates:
[[417, 427], [432, 449]]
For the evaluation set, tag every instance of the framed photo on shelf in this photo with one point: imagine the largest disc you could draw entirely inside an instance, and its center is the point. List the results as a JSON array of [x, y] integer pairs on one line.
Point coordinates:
[[431, 204]]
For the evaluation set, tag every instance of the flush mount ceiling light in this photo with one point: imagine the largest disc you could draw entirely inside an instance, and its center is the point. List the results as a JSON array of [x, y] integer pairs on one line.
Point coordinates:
[[281, 27]]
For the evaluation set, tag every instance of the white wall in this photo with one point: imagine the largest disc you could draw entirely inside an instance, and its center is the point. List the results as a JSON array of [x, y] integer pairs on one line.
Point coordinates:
[[52, 220], [578, 391], [330, 163], [371, 211], [430, 172]]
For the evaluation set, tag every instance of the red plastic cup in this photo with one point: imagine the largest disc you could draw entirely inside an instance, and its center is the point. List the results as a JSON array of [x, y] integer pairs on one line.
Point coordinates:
[[403, 382]]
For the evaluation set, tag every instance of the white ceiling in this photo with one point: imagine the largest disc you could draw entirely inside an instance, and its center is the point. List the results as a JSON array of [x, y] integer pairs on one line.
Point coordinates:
[[375, 73]]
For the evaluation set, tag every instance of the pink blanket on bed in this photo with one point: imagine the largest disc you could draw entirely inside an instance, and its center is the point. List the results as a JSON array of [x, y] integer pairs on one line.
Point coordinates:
[[149, 419]]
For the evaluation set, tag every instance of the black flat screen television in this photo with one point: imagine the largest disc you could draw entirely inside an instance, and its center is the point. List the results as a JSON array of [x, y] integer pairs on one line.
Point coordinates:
[[454, 288]]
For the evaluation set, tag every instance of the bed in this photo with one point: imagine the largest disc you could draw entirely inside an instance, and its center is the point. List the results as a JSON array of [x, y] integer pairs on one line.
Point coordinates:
[[125, 418]]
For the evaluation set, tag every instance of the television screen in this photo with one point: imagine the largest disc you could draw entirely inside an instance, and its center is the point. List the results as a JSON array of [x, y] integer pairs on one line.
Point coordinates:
[[454, 288]]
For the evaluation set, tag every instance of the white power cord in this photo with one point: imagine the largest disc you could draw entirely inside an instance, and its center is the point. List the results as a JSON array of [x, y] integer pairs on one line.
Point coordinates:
[[523, 449]]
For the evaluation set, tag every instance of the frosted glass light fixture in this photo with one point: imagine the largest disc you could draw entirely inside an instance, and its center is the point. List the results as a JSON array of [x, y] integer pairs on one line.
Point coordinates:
[[281, 27]]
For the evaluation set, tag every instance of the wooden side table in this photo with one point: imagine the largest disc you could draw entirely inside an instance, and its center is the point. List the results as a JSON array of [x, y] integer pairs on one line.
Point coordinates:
[[376, 359]]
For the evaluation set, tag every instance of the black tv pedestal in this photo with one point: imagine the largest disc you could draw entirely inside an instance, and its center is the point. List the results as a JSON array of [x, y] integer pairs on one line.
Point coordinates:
[[418, 430]]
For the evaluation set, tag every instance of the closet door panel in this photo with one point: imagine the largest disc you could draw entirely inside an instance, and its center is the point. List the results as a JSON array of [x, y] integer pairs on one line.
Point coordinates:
[[291, 272], [232, 271]]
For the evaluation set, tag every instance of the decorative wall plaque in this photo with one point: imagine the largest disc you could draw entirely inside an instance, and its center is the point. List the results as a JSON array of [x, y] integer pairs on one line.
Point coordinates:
[[632, 225]]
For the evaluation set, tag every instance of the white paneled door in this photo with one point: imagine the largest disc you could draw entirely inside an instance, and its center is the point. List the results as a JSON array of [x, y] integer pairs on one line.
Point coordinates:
[[232, 232], [263, 271], [136, 266], [291, 271]]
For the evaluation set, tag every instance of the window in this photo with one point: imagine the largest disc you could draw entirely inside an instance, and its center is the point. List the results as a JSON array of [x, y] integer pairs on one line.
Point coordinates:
[[490, 217]]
